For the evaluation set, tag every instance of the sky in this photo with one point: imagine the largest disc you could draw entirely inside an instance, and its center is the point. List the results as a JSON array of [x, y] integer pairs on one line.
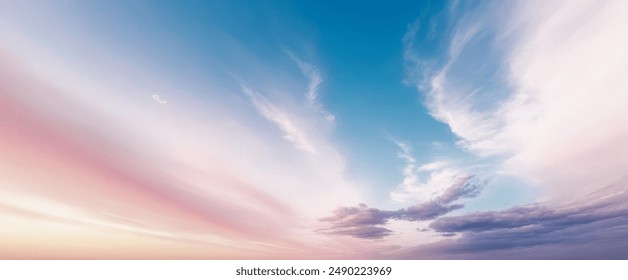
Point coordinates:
[[313, 129]]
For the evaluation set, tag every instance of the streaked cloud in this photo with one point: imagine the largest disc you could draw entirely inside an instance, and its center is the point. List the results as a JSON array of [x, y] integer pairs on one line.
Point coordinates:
[[158, 99], [537, 231], [528, 95], [521, 94], [178, 183], [251, 162], [315, 79], [368, 223], [427, 181], [293, 132]]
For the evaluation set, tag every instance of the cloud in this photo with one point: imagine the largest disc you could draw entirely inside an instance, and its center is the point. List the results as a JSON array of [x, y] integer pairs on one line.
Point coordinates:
[[158, 99], [365, 222], [513, 86], [293, 132], [439, 176], [315, 79], [425, 211], [463, 187], [195, 179], [512, 218], [580, 229], [82, 173], [359, 222], [534, 88], [363, 232], [541, 217], [411, 179]]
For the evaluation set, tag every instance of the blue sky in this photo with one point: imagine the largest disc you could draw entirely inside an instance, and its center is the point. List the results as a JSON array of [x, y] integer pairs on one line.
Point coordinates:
[[357, 48], [389, 130]]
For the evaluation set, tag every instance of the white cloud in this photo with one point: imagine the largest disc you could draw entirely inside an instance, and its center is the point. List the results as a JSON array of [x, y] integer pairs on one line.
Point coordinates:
[[195, 147], [315, 79], [439, 175], [560, 121], [158, 99], [293, 132], [432, 166]]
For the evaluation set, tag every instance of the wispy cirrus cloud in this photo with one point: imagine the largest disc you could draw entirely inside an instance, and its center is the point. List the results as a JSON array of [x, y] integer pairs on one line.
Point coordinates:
[[200, 180], [521, 93], [513, 87], [294, 129], [157, 98], [315, 79], [535, 89], [293, 132]]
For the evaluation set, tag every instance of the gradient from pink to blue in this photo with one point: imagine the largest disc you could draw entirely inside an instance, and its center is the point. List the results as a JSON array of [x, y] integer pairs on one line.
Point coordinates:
[[310, 130]]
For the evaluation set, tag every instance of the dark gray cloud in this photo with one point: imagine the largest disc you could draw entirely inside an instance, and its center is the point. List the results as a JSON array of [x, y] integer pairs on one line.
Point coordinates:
[[511, 218], [532, 217], [364, 222], [425, 211], [593, 229], [605, 239], [359, 222], [360, 215], [464, 187]]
